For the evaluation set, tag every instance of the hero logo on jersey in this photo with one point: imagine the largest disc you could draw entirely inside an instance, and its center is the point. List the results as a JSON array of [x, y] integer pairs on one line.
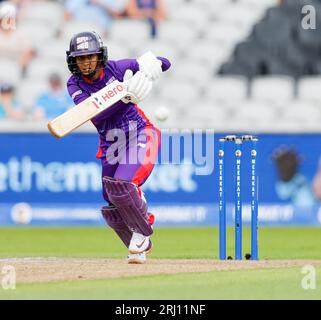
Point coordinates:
[[82, 43]]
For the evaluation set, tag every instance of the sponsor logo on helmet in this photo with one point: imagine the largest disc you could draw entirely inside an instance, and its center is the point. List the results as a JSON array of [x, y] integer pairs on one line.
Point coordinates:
[[82, 43]]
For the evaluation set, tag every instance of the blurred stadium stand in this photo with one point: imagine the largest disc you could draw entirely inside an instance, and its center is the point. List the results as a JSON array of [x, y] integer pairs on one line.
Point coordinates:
[[236, 65]]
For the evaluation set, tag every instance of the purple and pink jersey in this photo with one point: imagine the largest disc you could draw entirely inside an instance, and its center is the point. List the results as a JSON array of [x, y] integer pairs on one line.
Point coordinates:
[[118, 116]]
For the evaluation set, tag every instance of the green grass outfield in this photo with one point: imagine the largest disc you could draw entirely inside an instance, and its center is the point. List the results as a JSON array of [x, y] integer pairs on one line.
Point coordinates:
[[170, 243]]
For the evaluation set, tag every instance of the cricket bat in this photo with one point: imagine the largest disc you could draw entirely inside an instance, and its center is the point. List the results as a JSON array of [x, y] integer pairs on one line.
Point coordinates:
[[88, 109]]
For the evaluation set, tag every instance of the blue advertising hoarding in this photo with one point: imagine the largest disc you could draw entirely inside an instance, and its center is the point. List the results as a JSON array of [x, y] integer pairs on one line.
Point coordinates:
[[45, 181]]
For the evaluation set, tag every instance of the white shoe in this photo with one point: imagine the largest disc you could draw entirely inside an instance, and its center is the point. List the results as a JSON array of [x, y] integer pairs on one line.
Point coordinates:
[[140, 243], [136, 258]]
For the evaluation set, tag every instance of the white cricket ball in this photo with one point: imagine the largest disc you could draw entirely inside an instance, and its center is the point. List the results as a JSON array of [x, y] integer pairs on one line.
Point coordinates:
[[162, 113]]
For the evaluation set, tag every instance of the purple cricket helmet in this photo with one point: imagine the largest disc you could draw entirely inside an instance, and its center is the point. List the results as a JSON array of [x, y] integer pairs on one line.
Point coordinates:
[[84, 43]]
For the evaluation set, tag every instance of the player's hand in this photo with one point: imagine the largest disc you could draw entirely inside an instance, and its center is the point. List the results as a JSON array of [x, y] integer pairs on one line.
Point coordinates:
[[150, 65], [138, 86]]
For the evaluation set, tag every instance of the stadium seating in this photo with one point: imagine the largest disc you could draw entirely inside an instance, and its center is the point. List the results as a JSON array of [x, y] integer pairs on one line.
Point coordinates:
[[309, 89], [179, 94], [302, 113], [10, 71], [208, 114], [54, 50], [282, 88], [190, 15], [209, 53], [46, 12], [37, 72], [235, 64], [162, 48], [256, 114], [131, 32], [191, 70], [177, 34], [118, 51], [39, 33], [227, 89], [70, 28], [280, 43], [29, 91]]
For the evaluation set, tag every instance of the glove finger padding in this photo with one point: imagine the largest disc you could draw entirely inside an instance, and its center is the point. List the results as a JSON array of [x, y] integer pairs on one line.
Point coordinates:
[[135, 82], [149, 64], [143, 86], [152, 69], [156, 69], [140, 84], [148, 88]]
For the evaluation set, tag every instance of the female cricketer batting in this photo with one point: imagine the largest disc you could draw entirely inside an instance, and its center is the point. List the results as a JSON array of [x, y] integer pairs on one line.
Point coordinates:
[[125, 168]]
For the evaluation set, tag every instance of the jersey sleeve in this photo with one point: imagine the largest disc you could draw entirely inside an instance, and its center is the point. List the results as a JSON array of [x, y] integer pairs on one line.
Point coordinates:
[[165, 63], [76, 93], [119, 67]]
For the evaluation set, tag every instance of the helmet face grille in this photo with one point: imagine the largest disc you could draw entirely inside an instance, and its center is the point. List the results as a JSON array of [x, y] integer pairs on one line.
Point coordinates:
[[84, 43]]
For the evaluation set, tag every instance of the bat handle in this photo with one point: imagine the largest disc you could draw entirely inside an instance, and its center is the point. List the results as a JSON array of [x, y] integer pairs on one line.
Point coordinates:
[[128, 98]]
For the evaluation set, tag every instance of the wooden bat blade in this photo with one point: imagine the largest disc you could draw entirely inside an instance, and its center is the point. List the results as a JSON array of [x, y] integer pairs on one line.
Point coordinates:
[[86, 110]]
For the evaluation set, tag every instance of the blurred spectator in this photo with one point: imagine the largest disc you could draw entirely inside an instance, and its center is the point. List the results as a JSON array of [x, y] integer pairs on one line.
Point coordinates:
[[54, 102], [151, 10], [317, 182], [9, 106], [14, 44], [21, 5], [99, 12], [292, 185]]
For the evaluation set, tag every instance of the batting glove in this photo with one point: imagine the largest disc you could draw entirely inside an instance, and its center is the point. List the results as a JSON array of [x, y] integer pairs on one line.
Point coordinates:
[[138, 86], [150, 65]]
